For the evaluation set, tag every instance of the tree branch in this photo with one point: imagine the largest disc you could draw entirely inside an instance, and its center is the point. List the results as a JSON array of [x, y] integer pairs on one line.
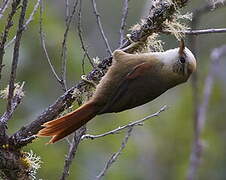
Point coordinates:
[[127, 126], [123, 21], [72, 150], [42, 39], [115, 156], [196, 154], [79, 26], [153, 24]]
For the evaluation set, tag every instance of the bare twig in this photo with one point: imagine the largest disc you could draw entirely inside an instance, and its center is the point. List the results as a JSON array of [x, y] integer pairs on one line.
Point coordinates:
[[130, 125], [5, 5], [205, 31], [42, 38], [72, 150], [4, 37], [101, 27], [64, 46], [115, 156], [201, 31], [85, 49], [195, 157], [123, 21], [26, 23]]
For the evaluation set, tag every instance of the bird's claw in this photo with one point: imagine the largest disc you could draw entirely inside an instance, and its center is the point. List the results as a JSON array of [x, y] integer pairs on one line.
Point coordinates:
[[84, 78]]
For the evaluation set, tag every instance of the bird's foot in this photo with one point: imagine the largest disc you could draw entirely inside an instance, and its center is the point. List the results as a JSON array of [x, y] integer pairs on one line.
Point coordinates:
[[133, 45], [84, 78]]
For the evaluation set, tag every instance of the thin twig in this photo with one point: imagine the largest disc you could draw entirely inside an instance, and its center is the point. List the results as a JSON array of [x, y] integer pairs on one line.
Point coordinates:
[[197, 150], [42, 38], [115, 156], [201, 31], [4, 36], [119, 129], [101, 27], [16, 56], [72, 150], [5, 5], [85, 49], [64, 46], [26, 23], [123, 21]]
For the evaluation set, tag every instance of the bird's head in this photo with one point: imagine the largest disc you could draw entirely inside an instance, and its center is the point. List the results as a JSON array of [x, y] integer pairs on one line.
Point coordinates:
[[180, 61]]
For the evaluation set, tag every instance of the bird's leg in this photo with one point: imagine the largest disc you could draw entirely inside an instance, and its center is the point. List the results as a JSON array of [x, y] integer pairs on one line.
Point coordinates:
[[133, 45]]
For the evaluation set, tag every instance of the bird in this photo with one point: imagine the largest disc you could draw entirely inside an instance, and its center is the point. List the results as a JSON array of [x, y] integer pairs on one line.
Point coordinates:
[[132, 80]]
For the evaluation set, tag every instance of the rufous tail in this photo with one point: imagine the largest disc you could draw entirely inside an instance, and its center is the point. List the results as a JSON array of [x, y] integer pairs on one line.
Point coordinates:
[[63, 126]]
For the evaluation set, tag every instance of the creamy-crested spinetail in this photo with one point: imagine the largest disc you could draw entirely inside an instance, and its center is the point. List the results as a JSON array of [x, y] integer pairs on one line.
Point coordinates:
[[132, 80]]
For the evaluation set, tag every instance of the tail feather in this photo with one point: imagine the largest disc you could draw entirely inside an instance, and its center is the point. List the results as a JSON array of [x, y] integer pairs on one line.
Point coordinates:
[[63, 126]]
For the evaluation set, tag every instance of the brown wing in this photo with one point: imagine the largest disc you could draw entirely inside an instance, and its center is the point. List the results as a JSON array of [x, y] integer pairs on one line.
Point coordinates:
[[134, 90]]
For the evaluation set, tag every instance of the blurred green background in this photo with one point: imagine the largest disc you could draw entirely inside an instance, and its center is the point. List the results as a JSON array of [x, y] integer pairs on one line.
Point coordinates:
[[161, 148]]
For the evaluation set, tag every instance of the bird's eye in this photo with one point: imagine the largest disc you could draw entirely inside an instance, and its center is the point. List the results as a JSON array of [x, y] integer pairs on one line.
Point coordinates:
[[182, 59]]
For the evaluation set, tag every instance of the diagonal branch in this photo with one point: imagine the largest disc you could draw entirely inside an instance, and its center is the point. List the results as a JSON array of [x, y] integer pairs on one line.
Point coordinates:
[[42, 39], [127, 126], [4, 36], [115, 156], [79, 27], [154, 23], [101, 27], [64, 46], [123, 21]]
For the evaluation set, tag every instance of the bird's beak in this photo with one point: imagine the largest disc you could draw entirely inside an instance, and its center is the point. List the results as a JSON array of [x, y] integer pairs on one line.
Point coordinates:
[[181, 47]]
